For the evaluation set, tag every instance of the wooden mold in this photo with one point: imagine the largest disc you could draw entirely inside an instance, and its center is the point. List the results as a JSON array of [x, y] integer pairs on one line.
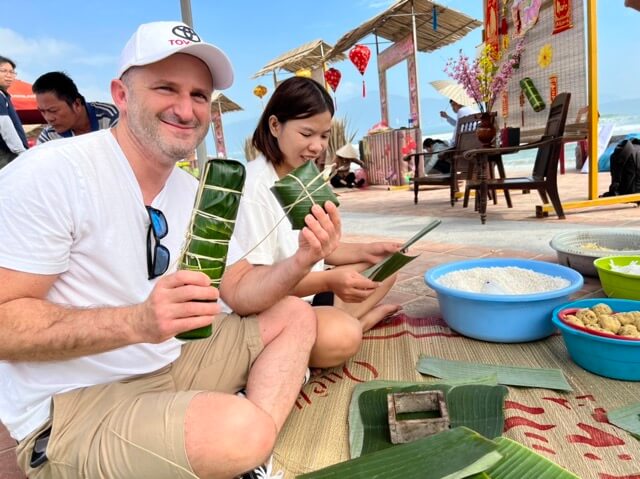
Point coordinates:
[[407, 430]]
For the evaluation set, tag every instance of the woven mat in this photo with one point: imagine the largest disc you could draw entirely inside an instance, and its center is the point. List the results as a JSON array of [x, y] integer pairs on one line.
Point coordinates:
[[570, 429]]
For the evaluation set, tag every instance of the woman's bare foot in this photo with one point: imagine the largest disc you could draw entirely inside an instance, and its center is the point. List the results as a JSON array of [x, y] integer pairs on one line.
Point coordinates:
[[377, 314]]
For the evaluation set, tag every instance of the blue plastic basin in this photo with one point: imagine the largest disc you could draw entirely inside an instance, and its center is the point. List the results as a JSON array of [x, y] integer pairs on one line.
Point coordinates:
[[612, 358], [497, 317]]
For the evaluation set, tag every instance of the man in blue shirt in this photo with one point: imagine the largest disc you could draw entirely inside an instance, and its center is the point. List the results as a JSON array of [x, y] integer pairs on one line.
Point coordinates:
[[65, 109], [13, 140]]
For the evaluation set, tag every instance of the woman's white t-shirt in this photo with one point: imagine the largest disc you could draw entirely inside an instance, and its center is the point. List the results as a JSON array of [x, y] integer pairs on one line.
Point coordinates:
[[262, 229]]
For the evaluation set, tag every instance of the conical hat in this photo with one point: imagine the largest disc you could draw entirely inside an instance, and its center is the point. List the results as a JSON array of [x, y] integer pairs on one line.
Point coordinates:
[[348, 152]]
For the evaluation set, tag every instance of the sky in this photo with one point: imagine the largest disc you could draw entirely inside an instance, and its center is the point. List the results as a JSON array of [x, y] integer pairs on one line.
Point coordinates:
[[84, 38]]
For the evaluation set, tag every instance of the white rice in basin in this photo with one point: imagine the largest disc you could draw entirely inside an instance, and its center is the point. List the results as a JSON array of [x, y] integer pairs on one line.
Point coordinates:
[[506, 280]]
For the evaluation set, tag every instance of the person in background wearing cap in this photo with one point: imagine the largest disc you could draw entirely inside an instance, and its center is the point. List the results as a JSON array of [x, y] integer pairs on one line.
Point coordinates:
[[461, 111], [343, 176], [293, 129], [92, 381], [65, 109], [13, 139]]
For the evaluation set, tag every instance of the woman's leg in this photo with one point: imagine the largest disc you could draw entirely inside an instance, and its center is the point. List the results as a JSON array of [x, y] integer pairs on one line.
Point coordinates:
[[369, 312], [338, 337]]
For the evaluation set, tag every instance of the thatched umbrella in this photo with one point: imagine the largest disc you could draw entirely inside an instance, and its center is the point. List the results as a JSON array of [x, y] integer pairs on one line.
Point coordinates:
[[221, 104]]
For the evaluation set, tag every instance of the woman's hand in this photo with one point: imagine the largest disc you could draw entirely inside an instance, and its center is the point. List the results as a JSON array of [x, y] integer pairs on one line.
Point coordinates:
[[373, 253], [350, 286], [321, 235]]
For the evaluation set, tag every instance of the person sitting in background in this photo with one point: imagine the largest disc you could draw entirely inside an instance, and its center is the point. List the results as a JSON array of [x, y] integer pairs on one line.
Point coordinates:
[[460, 111], [433, 164], [65, 109], [344, 177], [13, 140]]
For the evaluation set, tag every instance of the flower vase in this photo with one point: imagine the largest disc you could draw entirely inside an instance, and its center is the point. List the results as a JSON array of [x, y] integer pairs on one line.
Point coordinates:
[[486, 130]]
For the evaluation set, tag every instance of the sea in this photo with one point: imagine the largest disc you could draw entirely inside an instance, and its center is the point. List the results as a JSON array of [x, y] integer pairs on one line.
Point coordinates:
[[614, 128]]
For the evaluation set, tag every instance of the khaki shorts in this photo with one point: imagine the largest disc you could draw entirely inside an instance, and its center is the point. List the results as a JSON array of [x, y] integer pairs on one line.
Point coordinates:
[[125, 429]]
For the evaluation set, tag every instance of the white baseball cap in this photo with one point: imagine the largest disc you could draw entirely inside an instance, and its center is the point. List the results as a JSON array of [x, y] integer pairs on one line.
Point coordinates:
[[156, 41]]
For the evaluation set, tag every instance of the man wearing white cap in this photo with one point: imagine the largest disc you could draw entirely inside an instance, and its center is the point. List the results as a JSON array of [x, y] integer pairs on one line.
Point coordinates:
[[92, 382]]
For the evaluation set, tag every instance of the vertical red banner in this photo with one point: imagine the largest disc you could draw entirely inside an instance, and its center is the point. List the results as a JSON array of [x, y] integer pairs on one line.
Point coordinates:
[[412, 75], [505, 105], [216, 119], [561, 16], [553, 87], [491, 24]]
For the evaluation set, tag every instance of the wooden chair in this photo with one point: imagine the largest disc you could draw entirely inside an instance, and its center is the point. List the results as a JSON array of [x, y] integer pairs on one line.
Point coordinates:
[[544, 177], [466, 139]]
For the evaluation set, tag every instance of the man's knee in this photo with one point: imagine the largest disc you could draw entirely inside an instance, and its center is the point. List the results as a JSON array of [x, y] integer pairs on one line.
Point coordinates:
[[238, 437]]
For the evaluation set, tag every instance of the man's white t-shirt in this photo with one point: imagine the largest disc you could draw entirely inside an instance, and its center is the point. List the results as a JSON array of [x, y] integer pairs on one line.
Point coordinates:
[[73, 208], [260, 216]]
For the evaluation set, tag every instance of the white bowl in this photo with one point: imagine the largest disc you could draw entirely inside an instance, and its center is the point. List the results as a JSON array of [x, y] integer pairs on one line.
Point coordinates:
[[571, 250]]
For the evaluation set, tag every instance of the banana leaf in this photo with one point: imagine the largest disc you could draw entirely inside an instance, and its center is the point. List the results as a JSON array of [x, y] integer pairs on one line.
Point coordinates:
[[478, 407], [393, 263], [520, 462], [452, 454], [627, 418], [509, 375], [356, 426], [212, 223], [302, 188]]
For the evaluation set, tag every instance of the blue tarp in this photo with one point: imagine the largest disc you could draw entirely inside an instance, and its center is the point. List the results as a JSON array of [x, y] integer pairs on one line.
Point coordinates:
[[604, 162]]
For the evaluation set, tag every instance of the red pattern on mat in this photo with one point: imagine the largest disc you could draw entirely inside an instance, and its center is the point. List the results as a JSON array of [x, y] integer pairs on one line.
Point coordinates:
[[609, 476], [408, 322], [597, 435]]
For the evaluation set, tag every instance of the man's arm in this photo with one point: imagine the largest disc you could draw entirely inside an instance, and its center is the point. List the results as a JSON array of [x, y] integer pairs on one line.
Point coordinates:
[[10, 135], [250, 289], [34, 329]]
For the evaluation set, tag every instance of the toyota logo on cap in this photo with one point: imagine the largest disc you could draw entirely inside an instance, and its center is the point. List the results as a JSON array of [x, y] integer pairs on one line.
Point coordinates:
[[185, 32]]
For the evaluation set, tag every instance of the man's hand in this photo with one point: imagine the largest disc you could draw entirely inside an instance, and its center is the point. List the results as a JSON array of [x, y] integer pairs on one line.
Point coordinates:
[[350, 286], [321, 235], [179, 302], [444, 114]]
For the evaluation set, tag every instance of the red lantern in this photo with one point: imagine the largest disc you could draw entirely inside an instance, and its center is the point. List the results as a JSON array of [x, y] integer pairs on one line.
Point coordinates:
[[359, 56], [332, 77]]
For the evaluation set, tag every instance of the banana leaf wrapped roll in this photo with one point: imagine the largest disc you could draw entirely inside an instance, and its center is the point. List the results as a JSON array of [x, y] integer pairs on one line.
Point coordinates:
[[302, 188], [212, 223]]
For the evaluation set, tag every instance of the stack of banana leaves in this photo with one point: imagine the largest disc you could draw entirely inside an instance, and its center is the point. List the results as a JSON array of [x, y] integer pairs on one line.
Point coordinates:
[[212, 223], [302, 188], [471, 448]]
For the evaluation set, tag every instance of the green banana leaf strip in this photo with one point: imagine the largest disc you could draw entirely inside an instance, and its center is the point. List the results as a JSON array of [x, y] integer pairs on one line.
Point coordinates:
[[391, 264], [627, 418], [452, 454], [302, 188], [387, 266], [212, 224], [478, 407], [356, 425], [520, 462], [509, 375]]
